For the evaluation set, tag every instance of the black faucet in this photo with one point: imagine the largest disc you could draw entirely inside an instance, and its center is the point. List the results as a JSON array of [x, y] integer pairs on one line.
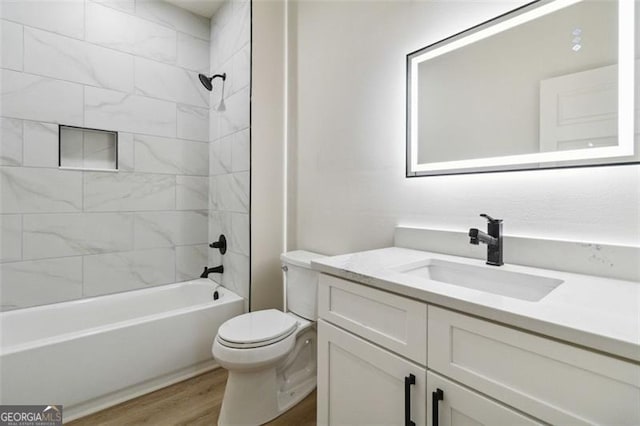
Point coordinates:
[[214, 270], [493, 240]]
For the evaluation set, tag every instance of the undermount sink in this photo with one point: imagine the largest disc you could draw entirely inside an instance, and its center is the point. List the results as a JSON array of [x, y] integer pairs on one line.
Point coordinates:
[[484, 278]]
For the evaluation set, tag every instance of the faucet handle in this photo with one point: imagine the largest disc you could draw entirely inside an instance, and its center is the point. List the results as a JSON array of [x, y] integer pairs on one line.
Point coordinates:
[[490, 219]]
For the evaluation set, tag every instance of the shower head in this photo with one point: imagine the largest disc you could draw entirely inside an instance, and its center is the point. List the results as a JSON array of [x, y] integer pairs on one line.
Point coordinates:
[[207, 81]]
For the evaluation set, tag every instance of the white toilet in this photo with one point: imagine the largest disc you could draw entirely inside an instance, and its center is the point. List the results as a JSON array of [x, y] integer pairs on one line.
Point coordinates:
[[271, 355]]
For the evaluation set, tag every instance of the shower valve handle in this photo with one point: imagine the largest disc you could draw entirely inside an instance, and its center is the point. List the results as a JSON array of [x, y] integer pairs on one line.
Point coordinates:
[[221, 244]]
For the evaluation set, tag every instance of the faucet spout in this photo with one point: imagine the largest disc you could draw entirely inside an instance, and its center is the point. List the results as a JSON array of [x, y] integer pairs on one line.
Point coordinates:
[[477, 237], [492, 238], [214, 270]]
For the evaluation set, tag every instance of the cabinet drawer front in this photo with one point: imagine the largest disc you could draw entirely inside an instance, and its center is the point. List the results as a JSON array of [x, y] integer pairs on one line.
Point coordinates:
[[395, 322], [462, 406], [552, 381], [362, 384]]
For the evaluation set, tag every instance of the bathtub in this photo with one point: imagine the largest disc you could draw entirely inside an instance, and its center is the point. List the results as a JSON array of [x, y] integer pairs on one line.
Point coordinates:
[[93, 353]]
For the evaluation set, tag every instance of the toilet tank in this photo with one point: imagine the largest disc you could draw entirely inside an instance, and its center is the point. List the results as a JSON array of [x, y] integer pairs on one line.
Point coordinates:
[[301, 282]]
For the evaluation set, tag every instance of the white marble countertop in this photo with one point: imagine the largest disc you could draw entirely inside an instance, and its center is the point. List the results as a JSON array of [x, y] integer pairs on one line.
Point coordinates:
[[595, 312]]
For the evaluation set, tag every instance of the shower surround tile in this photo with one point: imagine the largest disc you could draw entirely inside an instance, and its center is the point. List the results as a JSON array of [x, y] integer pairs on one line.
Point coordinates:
[[69, 59], [193, 123], [236, 274], [193, 53], [32, 190], [236, 115], [149, 223], [128, 6], [241, 151], [11, 142], [59, 16], [40, 144], [238, 69], [121, 31], [232, 192], [168, 155], [168, 229], [168, 82], [240, 239], [39, 98], [192, 193], [220, 154], [112, 273], [229, 153], [173, 17], [24, 284], [11, 241], [58, 235], [128, 191], [12, 45], [190, 261], [110, 110], [125, 152]]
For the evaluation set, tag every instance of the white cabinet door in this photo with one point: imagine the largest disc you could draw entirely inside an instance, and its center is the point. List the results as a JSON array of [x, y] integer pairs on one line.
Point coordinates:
[[362, 384], [459, 406], [556, 382]]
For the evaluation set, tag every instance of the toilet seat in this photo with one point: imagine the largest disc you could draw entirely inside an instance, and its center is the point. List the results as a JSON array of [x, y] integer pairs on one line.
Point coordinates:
[[256, 329]]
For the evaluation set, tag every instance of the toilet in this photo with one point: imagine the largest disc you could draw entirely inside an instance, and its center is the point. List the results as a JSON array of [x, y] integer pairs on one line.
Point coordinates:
[[270, 354]]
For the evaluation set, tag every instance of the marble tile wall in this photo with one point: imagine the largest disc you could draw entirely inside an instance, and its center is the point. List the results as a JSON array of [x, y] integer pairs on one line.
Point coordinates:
[[229, 146], [125, 65]]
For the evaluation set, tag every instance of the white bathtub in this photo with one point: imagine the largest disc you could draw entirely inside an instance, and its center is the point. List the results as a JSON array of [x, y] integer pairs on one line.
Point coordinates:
[[93, 353]]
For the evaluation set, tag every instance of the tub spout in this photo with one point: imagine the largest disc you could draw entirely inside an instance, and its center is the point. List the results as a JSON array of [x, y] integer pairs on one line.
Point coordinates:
[[214, 270]]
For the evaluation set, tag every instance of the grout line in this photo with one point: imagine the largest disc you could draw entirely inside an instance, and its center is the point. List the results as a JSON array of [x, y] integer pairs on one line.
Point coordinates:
[[23, 49], [22, 237], [119, 172], [82, 276], [84, 21], [83, 190]]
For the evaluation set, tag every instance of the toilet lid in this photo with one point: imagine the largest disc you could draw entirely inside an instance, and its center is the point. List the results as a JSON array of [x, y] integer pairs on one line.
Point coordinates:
[[258, 327]]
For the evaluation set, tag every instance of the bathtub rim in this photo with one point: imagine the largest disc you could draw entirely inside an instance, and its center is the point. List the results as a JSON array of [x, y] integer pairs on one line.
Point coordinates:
[[228, 296]]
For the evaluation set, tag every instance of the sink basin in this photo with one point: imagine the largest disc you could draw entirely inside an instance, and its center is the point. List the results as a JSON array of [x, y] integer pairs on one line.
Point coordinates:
[[484, 278]]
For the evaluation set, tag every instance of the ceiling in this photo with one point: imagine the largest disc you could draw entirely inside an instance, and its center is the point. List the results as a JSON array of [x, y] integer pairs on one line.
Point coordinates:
[[204, 8]]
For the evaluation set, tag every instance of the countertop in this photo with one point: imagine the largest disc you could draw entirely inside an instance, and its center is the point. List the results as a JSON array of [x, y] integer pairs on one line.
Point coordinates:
[[598, 313]]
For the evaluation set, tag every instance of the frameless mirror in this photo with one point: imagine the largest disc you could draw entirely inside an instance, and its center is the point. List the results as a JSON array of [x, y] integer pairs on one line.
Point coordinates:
[[551, 84]]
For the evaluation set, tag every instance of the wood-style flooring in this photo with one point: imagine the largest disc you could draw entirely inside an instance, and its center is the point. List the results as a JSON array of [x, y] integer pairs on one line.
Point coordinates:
[[195, 401]]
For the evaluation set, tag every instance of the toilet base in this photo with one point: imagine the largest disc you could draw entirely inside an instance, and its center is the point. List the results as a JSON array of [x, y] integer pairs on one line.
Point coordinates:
[[249, 398], [257, 396]]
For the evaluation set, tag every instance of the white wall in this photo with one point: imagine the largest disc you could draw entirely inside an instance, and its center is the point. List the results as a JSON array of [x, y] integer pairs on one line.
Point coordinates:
[[267, 153], [350, 142], [129, 66]]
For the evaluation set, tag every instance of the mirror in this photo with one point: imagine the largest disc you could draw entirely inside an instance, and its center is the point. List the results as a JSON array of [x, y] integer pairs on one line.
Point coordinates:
[[551, 84]]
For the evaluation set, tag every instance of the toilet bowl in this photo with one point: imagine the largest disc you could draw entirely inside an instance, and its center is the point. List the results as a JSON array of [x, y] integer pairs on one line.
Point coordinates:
[[270, 354]]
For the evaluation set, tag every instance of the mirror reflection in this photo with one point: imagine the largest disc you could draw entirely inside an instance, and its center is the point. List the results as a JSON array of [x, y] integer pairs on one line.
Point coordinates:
[[548, 85]]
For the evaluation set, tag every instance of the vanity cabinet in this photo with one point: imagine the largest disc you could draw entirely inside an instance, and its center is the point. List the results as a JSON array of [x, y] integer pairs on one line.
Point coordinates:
[[372, 355], [360, 383], [370, 340]]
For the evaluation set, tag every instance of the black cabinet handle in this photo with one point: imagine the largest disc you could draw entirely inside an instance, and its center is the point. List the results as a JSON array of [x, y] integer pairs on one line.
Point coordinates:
[[436, 396], [408, 381]]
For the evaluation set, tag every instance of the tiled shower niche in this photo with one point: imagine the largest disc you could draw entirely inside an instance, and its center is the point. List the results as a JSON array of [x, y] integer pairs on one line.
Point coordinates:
[[87, 149]]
